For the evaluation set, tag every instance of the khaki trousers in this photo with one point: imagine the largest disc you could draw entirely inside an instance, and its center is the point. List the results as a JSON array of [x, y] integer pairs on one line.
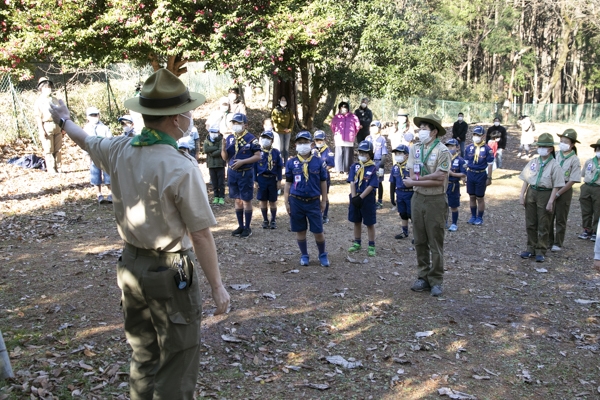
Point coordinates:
[[562, 205], [429, 220], [537, 220], [589, 199], [52, 146], [162, 323]]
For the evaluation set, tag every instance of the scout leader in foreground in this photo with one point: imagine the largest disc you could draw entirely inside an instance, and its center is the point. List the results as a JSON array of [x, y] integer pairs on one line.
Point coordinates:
[[160, 202]]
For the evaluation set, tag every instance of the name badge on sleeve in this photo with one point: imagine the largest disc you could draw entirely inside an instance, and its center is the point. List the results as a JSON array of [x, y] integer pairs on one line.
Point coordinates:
[[297, 178]]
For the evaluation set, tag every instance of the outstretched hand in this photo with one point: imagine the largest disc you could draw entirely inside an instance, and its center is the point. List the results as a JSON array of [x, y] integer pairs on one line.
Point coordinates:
[[59, 111]]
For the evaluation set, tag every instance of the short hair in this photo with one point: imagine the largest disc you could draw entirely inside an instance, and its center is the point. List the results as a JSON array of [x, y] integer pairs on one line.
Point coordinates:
[[461, 114], [496, 119], [152, 119], [430, 126], [234, 90]]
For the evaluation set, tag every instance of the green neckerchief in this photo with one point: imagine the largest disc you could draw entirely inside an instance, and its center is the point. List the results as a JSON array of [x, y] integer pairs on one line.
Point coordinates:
[[150, 137], [566, 158], [435, 143], [542, 165], [595, 178]]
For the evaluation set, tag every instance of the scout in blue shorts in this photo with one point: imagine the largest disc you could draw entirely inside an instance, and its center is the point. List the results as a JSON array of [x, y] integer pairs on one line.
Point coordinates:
[[328, 157], [363, 181], [379, 154], [458, 171], [401, 194], [241, 150], [480, 161], [305, 196], [268, 176]]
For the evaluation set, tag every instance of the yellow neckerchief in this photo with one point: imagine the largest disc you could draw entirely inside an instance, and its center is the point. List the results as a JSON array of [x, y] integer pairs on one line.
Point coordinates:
[[305, 162], [402, 166], [239, 141], [361, 171], [322, 149], [269, 158], [477, 149]]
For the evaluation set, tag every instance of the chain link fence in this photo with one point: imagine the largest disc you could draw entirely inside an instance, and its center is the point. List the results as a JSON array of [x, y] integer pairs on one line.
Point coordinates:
[[105, 89]]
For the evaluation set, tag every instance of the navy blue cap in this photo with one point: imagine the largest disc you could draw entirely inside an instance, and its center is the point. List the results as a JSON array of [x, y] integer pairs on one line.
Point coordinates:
[[239, 117], [478, 130], [365, 145], [319, 135], [402, 148], [304, 135], [452, 142], [376, 123], [268, 134]]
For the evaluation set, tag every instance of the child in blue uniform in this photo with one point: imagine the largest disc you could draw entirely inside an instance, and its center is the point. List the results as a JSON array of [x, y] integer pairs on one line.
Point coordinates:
[[480, 161], [305, 196], [400, 194], [268, 176], [328, 157], [363, 181], [379, 153], [241, 150], [457, 172]]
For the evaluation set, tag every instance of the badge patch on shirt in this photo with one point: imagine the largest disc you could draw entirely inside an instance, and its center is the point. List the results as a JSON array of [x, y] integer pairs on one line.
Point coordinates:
[[433, 157], [418, 153], [455, 163], [296, 163], [297, 178], [444, 165], [589, 167], [533, 166]]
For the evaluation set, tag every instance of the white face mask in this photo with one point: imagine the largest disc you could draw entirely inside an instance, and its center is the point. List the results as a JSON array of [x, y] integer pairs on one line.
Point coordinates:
[[264, 142], [564, 146], [93, 120], [343, 110], [363, 105], [47, 91], [402, 120], [543, 151], [476, 139], [319, 144], [283, 103], [400, 158], [460, 118], [237, 128], [189, 128], [598, 154], [303, 148], [424, 136], [232, 96], [363, 159], [224, 108], [409, 137], [496, 123], [213, 136], [127, 128], [374, 130]]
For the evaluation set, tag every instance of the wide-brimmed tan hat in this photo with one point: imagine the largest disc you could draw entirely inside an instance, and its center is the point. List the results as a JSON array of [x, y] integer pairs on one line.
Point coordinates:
[[570, 134], [545, 140], [402, 112], [44, 79], [597, 144], [164, 94], [432, 119]]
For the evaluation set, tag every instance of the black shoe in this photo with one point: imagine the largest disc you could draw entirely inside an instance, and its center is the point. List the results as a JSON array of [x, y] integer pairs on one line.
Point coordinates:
[[273, 225], [246, 233], [265, 225], [419, 285], [401, 235], [540, 258], [238, 231]]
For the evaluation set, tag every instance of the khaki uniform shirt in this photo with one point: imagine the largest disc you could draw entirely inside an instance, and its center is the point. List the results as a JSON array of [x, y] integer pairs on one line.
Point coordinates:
[[42, 107], [589, 171], [552, 176], [438, 159], [159, 193], [571, 166]]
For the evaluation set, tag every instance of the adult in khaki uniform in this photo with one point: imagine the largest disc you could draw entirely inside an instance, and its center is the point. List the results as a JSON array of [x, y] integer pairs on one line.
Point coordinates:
[[49, 133], [542, 178], [571, 166], [160, 203], [589, 198], [429, 163]]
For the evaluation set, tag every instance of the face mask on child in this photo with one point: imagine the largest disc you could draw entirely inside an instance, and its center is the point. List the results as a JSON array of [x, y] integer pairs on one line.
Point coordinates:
[[264, 142], [476, 139], [319, 144], [542, 151], [303, 149], [213, 136], [363, 159], [424, 136], [564, 147], [374, 130], [399, 158], [237, 128]]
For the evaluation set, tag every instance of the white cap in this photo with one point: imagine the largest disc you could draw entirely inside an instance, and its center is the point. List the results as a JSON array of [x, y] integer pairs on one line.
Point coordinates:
[[92, 110]]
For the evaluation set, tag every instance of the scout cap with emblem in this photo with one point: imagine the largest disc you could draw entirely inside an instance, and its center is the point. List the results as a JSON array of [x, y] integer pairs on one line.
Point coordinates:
[[126, 118], [431, 119], [451, 142], [267, 134], [545, 140], [319, 135], [365, 145], [239, 117], [402, 148], [303, 135], [164, 94], [478, 130], [570, 134], [376, 123], [595, 145]]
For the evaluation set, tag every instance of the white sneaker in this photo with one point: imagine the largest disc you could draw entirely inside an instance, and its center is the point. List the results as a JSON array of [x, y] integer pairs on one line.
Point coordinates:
[[555, 248]]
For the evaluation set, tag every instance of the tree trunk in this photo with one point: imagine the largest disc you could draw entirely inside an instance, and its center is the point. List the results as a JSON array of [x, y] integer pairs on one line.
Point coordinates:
[[326, 108], [563, 53], [175, 64], [304, 92]]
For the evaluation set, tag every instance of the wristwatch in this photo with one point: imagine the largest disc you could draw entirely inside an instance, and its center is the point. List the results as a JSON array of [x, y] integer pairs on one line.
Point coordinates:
[[557, 195], [62, 122]]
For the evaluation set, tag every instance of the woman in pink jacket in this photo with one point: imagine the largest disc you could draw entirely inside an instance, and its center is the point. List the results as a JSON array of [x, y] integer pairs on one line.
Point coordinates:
[[345, 126]]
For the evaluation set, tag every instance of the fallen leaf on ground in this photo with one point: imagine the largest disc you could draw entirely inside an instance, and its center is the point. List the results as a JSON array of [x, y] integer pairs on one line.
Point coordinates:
[[231, 338], [455, 394], [424, 334], [339, 360], [241, 286], [586, 302]]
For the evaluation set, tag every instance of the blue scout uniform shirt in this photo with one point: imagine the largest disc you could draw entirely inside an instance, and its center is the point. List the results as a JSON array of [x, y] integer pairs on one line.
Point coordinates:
[[379, 146], [399, 172], [458, 166], [301, 187], [262, 166], [481, 160], [247, 146], [327, 156], [370, 178]]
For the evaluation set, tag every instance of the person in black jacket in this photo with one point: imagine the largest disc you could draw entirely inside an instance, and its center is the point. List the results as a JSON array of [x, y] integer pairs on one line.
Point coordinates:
[[459, 132], [501, 143], [365, 117]]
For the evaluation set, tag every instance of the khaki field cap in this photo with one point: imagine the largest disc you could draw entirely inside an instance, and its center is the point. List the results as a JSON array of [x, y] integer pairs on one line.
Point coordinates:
[[597, 144], [164, 94], [44, 79], [402, 112], [432, 119], [570, 134], [545, 140]]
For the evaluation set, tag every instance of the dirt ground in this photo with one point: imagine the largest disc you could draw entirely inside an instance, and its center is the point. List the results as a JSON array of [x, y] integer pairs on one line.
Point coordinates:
[[506, 328]]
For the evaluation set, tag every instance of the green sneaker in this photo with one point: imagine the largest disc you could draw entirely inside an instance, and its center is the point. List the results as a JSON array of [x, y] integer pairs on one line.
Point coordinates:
[[354, 248], [371, 251], [221, 200], [216, 200]]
